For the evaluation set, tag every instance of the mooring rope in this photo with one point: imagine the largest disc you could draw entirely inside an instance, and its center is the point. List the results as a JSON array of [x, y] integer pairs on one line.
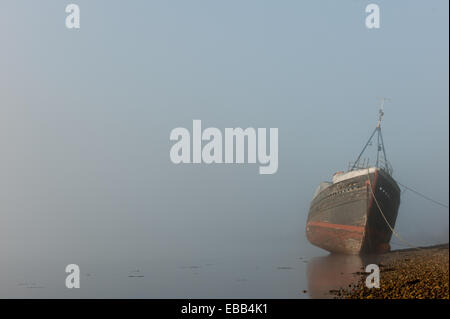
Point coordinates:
[[424, 196], [385, 219]]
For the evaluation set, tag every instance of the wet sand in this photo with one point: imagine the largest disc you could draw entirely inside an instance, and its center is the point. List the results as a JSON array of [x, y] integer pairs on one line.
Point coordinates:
[[406, 274]]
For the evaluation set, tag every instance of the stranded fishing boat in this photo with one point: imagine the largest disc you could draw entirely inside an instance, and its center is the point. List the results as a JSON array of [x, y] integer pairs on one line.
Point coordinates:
[[356, 212]]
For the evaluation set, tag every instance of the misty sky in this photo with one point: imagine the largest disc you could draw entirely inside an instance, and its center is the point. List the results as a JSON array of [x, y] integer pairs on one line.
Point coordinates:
[[85, 118]]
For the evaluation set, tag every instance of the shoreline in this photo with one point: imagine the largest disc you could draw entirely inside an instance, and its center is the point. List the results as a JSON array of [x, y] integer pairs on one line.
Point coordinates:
[[406, 274]]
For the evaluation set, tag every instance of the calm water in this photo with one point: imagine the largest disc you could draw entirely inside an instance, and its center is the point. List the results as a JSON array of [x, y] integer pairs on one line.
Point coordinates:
[[274, 272]]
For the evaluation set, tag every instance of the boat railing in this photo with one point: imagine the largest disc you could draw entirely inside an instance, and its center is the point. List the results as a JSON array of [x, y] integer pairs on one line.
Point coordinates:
[[361, 164], [365, 163], [386, 166]]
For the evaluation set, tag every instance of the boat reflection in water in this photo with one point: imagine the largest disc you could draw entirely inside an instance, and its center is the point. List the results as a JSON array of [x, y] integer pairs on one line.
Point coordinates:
[[335, 271]]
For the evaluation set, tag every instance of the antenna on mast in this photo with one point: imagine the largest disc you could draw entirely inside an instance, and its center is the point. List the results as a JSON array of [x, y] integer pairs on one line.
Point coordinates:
[[381, 162], [381, 111]]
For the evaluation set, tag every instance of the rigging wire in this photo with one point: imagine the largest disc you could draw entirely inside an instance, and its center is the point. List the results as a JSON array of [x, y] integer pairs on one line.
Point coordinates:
[[387, 168], [385, 219], [424, 196]]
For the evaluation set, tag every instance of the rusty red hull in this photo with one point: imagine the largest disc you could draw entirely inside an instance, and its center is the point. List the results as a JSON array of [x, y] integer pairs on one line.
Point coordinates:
[[345, 218]]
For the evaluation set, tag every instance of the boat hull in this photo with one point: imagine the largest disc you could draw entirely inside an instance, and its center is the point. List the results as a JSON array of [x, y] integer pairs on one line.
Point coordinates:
[[345, 217]]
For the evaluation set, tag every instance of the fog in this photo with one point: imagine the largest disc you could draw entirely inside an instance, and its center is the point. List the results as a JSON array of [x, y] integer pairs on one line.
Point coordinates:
[[85, 119]]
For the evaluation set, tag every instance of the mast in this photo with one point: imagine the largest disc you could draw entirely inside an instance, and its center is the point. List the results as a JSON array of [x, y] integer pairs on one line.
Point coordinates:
[[381, 162]]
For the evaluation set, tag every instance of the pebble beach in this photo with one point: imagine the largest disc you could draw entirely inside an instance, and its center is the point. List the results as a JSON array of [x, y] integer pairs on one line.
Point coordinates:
[[406, 274]]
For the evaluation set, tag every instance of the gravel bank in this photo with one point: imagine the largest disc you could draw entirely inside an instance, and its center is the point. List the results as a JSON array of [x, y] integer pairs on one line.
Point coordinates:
[[407, 274]]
